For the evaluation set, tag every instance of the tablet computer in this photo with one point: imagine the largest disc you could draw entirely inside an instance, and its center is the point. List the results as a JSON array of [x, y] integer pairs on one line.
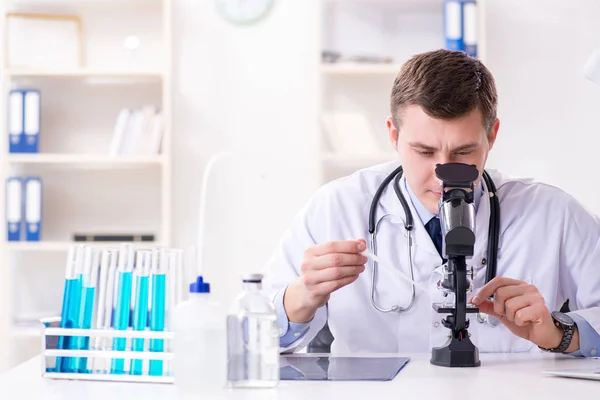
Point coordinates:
[[588, 373], [340, 368]]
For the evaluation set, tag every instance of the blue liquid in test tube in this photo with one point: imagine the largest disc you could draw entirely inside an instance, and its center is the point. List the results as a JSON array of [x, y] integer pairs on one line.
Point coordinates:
[[104, 312], [121, 320], [89, 282], [157, 312], [140, 311], [70, 307]]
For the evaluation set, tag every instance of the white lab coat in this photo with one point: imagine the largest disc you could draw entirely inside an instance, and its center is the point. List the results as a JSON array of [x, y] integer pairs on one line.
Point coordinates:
[[546, 238]]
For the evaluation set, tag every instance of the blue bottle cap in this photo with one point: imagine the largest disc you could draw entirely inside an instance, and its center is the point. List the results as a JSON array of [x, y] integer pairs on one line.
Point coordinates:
[[200, 286]]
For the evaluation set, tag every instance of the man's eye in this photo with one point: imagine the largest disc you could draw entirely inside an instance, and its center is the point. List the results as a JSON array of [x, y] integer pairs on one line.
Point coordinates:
[[463, 153], [425, 153]]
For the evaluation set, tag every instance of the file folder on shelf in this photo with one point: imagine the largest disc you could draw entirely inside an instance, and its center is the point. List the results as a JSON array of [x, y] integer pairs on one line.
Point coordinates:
[[14, 203], [24, 116], [470, 27], [15, 120], [460, 25], [33, 208], [31, 122]]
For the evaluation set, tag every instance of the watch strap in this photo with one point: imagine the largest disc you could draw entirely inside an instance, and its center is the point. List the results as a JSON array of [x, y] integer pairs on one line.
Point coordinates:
[[568, 332]]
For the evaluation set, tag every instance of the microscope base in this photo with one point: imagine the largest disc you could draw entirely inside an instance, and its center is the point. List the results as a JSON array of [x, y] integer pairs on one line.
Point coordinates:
[[456, 353]]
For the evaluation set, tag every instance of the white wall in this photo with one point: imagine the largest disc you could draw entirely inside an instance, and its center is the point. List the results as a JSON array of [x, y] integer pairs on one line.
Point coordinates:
[[238, 88], [251, 87], [548, 110], [258, 87]]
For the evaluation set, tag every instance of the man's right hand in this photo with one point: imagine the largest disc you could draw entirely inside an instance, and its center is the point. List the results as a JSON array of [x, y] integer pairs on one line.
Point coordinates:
[[325, 268]]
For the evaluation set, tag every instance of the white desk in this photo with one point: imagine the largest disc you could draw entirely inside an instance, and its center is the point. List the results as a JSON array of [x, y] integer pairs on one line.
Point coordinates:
[[501, 376]]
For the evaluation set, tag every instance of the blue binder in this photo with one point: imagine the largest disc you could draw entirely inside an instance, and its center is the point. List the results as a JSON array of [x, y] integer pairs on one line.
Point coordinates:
[[460, 25], [15, 120], [31, 121], [33, 208], [14, 208], [470, 27]]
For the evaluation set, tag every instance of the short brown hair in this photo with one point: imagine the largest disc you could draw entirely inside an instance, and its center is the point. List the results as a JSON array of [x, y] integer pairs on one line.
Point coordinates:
[[447, 85]]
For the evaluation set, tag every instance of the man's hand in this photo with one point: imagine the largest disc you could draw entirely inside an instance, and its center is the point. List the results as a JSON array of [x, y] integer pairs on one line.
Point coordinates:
[[325, 268], [522, 309]]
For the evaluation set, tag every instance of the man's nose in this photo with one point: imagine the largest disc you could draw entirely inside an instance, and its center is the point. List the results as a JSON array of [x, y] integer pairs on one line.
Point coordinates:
[[443, 159], [440, 159]]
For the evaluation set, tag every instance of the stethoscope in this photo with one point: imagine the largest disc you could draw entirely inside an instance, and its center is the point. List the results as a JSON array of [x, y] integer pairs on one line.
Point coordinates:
[[493, 236]]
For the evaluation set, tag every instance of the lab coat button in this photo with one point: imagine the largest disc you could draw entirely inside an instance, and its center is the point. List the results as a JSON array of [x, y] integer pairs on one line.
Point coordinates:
[[436, 324], [593, 352]]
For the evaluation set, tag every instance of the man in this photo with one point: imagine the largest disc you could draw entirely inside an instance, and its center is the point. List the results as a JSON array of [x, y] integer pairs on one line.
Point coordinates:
[[443, 109]]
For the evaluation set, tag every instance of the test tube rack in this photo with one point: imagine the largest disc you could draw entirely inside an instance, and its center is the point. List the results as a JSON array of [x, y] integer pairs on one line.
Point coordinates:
[[51, 332]]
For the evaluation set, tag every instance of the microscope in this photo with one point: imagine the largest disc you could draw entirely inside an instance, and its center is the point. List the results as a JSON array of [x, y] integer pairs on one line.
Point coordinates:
[[457, 219]]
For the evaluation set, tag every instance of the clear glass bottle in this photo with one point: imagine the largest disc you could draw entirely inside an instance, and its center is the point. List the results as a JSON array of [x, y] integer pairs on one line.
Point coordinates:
[[252, 338]]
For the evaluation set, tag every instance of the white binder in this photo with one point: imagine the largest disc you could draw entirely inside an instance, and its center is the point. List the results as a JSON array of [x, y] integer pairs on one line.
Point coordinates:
[[14, 207], [470, 28], [31, 121], [453, 25], [15, 120], [33, 208]]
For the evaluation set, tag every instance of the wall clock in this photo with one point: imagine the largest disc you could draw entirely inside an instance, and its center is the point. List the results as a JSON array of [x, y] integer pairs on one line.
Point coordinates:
[[244, 11]]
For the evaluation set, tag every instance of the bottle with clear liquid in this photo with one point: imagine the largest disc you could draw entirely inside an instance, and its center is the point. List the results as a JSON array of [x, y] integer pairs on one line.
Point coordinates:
[[200, 344], [252, 338]]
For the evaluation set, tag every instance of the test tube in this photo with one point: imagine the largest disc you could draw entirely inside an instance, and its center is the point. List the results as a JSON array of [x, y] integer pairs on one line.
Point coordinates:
[[140, 309], [108, 267], [158, 305], [70, 295], [89, 282], [181, 278], [71, 303], [174, 294], [174, 285], [123, 303]]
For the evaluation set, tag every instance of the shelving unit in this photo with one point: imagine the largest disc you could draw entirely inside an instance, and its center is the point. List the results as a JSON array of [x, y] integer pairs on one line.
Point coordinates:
[[85, 159], [388, 29], [360, 69], [83, 187], [83, 73], [48, 246]]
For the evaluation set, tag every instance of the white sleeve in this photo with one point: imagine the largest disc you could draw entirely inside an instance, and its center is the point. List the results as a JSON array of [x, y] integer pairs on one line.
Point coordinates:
[[580, 259]]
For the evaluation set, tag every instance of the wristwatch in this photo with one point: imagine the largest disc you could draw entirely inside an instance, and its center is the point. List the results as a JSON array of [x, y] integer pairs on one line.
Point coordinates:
[[567, 325]]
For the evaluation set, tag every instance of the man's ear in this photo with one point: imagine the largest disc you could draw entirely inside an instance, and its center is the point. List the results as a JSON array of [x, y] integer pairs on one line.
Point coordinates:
[[494, 133], [392, 132]]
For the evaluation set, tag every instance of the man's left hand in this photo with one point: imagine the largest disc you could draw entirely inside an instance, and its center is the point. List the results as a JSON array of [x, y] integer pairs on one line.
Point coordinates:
[[522, 309]]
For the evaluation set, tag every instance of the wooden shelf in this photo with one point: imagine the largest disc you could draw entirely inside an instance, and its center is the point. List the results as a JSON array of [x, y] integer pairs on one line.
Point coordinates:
[[128, 74], [111, 3], [434, 5], [84, 159], [360, 69], [48, 246]]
